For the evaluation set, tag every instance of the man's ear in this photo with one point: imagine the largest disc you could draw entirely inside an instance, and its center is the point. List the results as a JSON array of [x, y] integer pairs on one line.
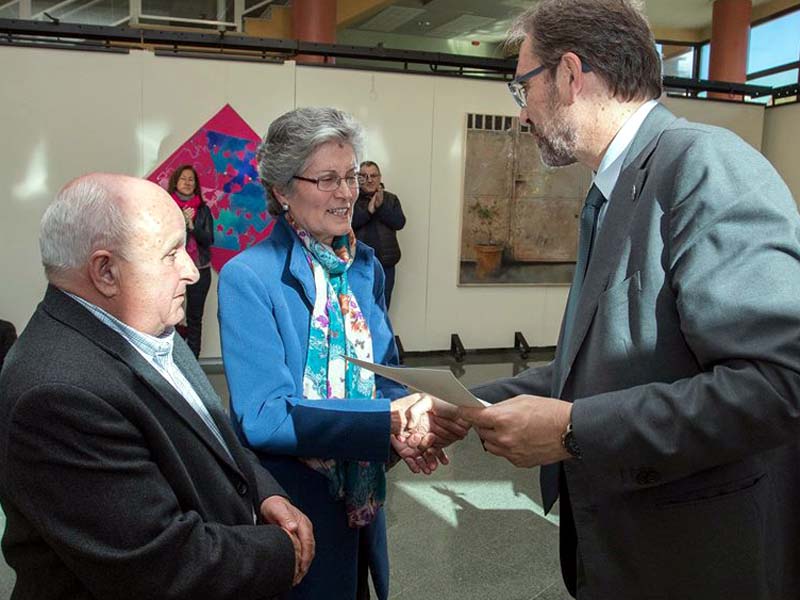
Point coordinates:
[[103, 272], [572, 77]]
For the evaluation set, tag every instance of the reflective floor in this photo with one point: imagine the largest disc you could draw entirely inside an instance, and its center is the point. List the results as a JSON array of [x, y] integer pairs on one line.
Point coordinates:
[[472, 530]]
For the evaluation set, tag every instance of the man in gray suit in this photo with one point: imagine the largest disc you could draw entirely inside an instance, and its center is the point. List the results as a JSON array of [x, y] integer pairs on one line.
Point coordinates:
[[669, 420]]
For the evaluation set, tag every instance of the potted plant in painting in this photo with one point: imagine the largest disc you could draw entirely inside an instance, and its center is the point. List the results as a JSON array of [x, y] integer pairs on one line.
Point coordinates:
[[488, 251]]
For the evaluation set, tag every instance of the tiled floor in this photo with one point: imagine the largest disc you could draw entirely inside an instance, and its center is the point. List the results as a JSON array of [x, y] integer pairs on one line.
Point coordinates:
[[472, 530]]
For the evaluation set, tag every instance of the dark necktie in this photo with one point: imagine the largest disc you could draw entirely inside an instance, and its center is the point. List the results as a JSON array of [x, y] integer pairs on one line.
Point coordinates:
[[586, 234]]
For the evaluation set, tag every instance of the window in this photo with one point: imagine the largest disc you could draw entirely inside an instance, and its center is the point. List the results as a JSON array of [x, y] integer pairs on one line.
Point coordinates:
[[677, 60], [705, 57], [774, 43]]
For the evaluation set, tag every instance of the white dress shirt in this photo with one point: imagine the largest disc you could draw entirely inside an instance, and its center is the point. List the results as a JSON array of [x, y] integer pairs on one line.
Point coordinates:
[[608, 173]]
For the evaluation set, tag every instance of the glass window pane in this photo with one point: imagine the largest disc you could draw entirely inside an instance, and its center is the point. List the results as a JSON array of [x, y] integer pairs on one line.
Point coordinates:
[[678, 61], [774, 43], [776, 79], [705, 56], [202, 10]]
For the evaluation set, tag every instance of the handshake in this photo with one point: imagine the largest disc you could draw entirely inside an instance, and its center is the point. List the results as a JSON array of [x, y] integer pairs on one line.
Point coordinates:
[[422, 426]]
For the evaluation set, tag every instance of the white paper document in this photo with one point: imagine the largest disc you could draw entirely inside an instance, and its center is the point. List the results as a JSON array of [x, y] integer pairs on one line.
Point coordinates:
[[440, 383]]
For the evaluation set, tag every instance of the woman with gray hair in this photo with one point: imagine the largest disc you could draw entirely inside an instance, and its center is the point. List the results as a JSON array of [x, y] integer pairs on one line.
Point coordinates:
[[291, 309]]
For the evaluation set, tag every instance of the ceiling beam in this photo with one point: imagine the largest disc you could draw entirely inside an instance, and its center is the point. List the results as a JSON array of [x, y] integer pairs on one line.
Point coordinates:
[[682, 34], [762, 11], [279, 22], [352, 11]]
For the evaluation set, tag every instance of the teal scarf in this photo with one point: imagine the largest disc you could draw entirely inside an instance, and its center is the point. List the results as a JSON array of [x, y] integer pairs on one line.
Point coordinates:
[[339, 329]]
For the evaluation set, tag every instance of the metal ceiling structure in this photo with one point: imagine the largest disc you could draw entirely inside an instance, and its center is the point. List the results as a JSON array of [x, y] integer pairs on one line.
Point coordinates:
[[217, 31], [242, 47]]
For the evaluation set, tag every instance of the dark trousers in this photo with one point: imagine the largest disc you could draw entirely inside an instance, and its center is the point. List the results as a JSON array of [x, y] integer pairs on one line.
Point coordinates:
[[389, 285], [195, 305], [362, 592]]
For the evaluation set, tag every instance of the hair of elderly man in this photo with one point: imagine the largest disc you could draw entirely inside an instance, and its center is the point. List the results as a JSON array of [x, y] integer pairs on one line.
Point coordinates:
[[85, 216], [370, 163], [292, 139], [611, 36]]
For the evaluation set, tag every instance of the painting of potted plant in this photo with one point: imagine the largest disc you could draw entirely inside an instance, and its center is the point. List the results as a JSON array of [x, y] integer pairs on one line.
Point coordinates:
[[488, 250]]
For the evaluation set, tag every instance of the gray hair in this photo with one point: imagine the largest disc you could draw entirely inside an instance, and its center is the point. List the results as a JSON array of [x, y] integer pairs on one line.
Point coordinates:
[[84, 217], [611, 36], [292, 139]]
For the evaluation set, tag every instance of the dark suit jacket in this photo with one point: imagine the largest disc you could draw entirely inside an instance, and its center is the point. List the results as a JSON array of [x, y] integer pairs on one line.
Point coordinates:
[[112, 485], [684, 369], [379, 229]]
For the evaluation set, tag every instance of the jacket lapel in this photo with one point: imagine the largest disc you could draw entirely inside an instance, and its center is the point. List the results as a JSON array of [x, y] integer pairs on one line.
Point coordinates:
[[360, 280], [283, 234], [68, 311], [614, 231], [361, 277]]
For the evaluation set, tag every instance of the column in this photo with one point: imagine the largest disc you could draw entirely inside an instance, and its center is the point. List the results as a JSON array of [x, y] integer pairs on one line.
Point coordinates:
[[314, 21], [730, 35]]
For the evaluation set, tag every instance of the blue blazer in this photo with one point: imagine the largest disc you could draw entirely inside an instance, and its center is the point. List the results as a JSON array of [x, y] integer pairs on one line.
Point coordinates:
[[266, 297]]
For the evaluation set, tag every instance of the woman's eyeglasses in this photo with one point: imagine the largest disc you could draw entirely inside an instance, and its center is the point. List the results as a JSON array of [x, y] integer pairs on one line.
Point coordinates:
[[330, 183]]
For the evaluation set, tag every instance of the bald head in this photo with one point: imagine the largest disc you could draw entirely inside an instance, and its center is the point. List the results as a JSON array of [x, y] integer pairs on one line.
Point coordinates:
[[94, 212], [119, 242]]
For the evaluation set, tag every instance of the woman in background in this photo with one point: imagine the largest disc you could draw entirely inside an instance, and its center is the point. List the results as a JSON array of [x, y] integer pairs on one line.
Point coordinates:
[[184, 187], [291, 308]]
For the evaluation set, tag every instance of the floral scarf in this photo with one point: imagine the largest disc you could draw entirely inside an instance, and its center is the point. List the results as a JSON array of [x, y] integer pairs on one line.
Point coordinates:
[[339, 329]]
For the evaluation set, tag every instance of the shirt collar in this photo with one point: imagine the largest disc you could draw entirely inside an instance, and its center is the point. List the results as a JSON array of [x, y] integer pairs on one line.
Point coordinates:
[[157, 348], [611, 165]]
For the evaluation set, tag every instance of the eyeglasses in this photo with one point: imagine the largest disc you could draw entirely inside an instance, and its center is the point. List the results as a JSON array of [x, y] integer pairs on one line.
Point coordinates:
[[331, 183], [518, 90], [362, 177]]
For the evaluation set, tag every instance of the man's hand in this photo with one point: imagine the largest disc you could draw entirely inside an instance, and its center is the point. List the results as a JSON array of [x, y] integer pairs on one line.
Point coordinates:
[[525, 430], [375, 202], [277, 510]]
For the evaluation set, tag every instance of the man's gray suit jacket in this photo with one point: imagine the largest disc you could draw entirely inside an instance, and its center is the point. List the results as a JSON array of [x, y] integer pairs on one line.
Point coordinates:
[[684, 370]]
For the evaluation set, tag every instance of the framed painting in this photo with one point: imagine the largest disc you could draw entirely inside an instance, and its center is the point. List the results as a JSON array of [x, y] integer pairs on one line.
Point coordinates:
[[519, 218]]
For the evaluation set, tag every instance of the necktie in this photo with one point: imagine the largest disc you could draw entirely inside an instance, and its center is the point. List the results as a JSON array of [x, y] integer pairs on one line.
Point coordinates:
[[586, 234]]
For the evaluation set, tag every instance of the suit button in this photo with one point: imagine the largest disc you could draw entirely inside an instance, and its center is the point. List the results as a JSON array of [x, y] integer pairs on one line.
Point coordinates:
[[647, 477], [242, 488]]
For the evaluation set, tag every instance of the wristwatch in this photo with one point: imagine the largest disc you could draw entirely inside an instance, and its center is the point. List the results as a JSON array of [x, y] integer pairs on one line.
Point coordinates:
[[570, 443]]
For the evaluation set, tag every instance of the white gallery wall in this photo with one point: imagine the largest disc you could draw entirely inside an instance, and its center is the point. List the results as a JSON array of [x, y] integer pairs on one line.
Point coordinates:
[[781, 135], [67, 113]]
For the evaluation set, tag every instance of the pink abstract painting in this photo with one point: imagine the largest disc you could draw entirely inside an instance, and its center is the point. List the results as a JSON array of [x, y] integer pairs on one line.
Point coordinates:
[[223, 151]]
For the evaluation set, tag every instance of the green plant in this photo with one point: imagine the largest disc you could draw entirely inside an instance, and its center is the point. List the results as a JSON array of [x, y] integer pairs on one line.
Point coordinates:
[[485, 215]]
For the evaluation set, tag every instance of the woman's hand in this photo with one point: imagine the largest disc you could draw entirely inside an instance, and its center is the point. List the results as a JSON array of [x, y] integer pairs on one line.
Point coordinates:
[[188, 217], [425, 461], [423, 422], [400, 412]]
